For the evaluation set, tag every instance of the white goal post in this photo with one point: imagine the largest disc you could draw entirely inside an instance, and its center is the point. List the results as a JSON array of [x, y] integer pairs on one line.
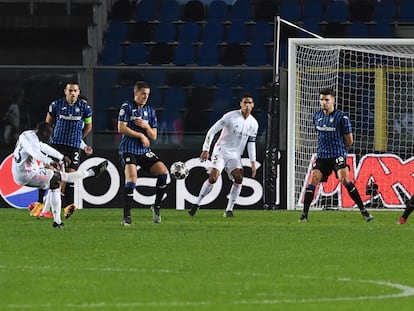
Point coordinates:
[[374, 84]]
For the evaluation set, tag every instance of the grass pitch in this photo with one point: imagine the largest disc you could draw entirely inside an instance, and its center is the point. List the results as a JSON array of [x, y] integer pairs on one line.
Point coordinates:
[[258, 260]]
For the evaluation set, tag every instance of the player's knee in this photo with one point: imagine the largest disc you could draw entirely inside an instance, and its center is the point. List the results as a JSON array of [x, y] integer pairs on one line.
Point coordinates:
[[55, 181]]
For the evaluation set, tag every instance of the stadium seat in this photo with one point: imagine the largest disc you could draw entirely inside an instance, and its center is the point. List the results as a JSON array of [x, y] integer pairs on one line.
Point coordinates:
[[337, 12], [290, 10], [217, 10], [261, 32], [161, 53], [361, 10], [185, 54], [213, 32], [112, 54], [116, 31], [383, 30], [236, 32], [140, 31], [265, 10], [204, 78], [194, 10], [241, 10], [257, 55], [406, 12], [170, 10], [189, 32], [136, 54], [358, 30], [233, 55], [313, 11], [166, 31], [122, 10], [146, 10], [209, 54], [385, 12]]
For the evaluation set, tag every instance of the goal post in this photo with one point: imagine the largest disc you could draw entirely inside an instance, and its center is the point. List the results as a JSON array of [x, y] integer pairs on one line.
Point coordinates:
[[374, 84]]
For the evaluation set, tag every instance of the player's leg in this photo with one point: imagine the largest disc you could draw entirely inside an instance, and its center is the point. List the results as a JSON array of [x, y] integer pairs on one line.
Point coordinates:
[[316, 177], [55, 200], [343, 176], [130, 170], [234, 166], [409, 208], [160, 171]]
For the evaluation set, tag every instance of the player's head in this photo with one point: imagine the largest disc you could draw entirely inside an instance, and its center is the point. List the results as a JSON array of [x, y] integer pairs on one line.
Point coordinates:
[[246, 103], [44, 131], [327, 99], [72, 92], [141, 93]]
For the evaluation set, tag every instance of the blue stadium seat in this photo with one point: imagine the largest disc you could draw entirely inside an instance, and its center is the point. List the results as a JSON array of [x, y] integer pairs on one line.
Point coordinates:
[[241, 10], [146, 10], [313, 11], [209, 54], [257, 55], [358, 30], [337, 12], [161, 53], [204, 78], [385, 12], [111, 54], [165, 32], [189, 32], [116, 31], [406, 12], [383, 30], [213, 32], [361, 11], [290, 11], [136, 54], [170, 10], [217, 10], [228, 79], [233, 55], [185, 54], [261, 32], [236, 32]]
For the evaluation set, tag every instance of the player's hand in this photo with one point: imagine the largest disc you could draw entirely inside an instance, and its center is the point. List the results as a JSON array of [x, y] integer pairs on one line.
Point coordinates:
[[145, 141], [204, 156], [253, 169], [66, 161], [88, 150], [141, 123]]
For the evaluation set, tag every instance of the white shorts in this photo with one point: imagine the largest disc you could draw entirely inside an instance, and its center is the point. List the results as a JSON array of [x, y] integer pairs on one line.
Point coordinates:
[[39, 178], [226, 160]]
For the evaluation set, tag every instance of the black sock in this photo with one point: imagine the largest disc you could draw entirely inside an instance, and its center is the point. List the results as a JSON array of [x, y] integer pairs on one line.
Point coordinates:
[[409, 209], [310, 191], [41, 194], [128, 201], [353, 192], [69, 197]]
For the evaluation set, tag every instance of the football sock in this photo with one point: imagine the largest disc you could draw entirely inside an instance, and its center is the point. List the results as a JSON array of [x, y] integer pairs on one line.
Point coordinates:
[[56, 204], [47, 205], [353, 192], [409, 209], [69, 193], [129, 198], [310, 191], [41, 195], [233, 195], [205, 189], [160, 188]]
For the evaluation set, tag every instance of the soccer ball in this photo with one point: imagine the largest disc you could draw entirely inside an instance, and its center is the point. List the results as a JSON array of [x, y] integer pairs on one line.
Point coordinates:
[[178, 170]]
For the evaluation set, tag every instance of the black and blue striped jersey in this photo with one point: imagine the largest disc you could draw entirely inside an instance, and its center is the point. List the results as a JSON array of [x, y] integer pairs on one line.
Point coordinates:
[[128, 112], [331, 130], [69, 121]]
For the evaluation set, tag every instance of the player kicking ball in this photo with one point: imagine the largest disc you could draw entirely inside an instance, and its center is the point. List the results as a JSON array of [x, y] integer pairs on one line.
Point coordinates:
[[31, 148]]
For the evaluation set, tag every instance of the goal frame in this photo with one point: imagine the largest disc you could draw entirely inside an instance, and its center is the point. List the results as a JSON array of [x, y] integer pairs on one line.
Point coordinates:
[[292, 92]]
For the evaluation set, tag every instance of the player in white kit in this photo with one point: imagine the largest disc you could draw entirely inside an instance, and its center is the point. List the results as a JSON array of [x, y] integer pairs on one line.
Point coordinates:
[[36, 164], [238, 130]]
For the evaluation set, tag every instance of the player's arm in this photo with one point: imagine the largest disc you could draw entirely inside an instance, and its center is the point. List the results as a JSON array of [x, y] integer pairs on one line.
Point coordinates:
[[125, 130], [348, 140], [87, 126], [49, 119], [151, 132]]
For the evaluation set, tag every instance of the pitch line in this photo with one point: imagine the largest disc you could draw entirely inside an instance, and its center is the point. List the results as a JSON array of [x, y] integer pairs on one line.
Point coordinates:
[[405, 291]]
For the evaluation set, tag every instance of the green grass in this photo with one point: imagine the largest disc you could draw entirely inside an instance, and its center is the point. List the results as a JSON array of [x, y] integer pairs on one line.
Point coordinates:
[[258, 260]]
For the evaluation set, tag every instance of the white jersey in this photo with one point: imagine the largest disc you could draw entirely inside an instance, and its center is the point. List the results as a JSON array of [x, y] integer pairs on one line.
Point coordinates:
[[29, 150], [236, 131]]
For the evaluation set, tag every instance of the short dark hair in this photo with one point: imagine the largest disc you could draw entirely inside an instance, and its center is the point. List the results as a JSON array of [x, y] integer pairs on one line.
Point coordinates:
[[141, 85], [327, 91], [244, 95]]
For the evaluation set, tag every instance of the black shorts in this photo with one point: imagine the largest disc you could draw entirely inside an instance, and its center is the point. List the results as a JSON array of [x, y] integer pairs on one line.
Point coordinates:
[[326, 166], [71, 152], [145, 161]]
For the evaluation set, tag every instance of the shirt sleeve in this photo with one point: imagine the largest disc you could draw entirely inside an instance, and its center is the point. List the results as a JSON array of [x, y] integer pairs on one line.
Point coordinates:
[[219, 125]]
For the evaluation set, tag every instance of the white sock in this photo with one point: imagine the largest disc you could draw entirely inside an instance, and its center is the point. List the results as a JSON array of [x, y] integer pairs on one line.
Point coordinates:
[[205, 189], [46, 207], [73, 176], [56, 203], [233, 195]]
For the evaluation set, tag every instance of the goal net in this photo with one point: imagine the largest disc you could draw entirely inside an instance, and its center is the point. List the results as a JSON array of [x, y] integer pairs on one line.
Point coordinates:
[[374, 84]]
